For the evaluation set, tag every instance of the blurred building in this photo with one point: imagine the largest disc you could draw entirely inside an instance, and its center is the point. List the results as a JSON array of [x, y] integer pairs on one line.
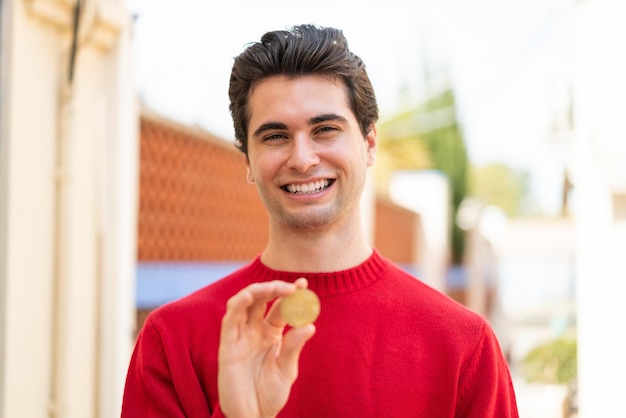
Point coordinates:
[[68, 164], [598, 175], [427, 192]]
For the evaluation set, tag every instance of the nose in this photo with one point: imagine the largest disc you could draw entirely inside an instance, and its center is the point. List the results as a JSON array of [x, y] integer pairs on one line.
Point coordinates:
[[303, 154]]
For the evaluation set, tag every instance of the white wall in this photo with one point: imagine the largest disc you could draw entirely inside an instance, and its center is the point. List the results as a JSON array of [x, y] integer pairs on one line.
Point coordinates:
[[68, 197], [28, 203]]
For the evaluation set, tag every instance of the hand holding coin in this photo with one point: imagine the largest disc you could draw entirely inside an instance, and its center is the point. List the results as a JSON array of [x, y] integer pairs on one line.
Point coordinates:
[[300, 308], [257, 359]]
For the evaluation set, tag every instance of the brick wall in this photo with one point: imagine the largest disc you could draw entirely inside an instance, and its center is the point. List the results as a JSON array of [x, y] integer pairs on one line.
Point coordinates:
[[194, 202]]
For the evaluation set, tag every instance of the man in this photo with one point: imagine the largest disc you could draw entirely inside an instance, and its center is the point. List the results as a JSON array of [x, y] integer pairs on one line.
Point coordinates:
[[384, 345]]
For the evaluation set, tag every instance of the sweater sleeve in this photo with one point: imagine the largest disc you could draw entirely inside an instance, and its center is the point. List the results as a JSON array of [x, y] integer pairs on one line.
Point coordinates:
[[150, 391], [486, 389]]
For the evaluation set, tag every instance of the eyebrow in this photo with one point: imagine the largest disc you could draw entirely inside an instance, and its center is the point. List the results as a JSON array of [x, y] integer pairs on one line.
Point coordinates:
[[312, 121], [268, 127], [326, 117]]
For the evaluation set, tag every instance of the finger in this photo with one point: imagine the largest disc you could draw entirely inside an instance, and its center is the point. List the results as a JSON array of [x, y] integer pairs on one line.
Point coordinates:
[[252, 301], [235, 315], [256, 312], [273, 317], [293, 343], [301, 283], [265, 293]]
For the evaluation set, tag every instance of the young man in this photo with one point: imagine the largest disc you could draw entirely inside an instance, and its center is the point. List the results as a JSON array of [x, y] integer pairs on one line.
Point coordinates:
[[384, 345]]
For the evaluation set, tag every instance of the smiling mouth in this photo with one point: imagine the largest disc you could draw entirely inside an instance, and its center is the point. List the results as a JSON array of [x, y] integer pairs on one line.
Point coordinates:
[[308, 188]]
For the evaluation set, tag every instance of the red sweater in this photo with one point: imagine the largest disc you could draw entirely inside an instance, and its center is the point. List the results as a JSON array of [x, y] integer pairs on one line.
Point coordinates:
[[386, 345]]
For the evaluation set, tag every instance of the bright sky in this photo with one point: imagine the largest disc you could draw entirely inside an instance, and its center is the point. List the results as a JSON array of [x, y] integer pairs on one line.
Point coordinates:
[[503, 56]]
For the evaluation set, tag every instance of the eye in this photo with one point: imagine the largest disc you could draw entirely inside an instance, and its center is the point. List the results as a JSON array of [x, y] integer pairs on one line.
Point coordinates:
[[274, 137], [326, 131]]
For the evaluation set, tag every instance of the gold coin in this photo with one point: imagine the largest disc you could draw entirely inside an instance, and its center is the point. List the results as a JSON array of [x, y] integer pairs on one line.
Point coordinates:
[[300, 308]]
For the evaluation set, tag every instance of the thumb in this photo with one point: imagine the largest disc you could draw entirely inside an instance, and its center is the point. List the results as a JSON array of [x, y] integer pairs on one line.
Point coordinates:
[[292, 345]]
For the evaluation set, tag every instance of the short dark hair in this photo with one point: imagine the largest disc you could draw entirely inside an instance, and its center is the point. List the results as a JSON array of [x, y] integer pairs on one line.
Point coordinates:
[[296, 51]]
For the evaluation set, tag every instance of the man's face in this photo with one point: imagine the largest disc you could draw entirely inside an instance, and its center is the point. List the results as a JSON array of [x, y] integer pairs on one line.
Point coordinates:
[[306, 152]]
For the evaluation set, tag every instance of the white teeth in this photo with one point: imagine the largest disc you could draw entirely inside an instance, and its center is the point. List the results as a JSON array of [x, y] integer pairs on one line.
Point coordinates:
[[312, 187]]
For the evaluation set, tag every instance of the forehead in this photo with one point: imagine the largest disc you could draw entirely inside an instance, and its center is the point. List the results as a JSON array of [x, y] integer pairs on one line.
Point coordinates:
[[302, 96]]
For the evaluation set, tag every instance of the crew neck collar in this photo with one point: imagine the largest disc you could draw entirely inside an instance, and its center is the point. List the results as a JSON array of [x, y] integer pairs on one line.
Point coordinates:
[[328, 283]]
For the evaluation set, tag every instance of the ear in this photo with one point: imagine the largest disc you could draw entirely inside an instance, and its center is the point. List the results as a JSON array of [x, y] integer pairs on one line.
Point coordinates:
[[249, 175], [371, 140]]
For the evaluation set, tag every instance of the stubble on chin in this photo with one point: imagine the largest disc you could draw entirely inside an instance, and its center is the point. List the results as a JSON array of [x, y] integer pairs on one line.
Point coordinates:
[[311, 218], [308, 221]]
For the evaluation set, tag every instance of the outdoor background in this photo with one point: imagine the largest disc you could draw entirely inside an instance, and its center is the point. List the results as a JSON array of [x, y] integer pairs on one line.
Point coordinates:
[[500, 179], [509, 67]]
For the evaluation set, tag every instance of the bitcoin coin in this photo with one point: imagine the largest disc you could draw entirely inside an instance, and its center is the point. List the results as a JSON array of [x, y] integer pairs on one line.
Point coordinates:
[[300, 308]]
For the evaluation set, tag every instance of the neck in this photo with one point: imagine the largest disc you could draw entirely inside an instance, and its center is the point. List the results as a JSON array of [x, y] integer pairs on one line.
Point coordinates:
[[316, 250]]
